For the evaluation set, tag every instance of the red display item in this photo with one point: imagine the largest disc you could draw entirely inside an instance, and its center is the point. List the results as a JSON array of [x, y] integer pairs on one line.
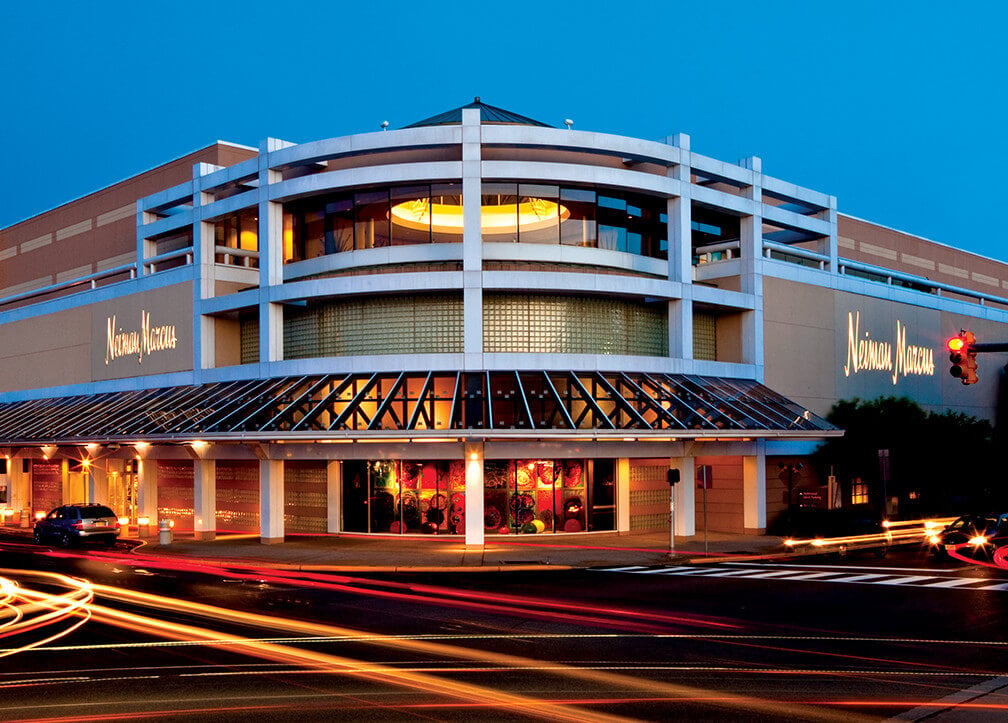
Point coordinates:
[[458, 502], [439, 501], [572, 525], [572, 475], [395, 527], [525, 515], [504, 530], [491, 517], [572, 508]]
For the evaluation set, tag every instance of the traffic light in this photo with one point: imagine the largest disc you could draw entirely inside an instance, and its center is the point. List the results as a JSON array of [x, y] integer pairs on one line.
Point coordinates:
[[673, 477], [963, 357]]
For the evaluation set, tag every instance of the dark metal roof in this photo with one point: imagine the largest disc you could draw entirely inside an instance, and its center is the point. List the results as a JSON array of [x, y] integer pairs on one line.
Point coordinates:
[[472, 404], [488, 114]]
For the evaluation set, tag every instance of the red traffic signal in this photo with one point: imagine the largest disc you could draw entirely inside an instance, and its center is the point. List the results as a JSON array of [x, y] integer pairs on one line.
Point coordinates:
[[963, 357]]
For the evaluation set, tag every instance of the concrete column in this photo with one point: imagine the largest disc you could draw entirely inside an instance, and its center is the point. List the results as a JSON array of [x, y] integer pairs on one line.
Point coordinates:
[[474, 533], [622, 494], [145, 249], [754, 489], [751, 281], [685, 497], [205, 499], [334, 494], [20, 495], [65, 487], [828, 245], [472, 243], [205, 267], [270, 258], [147, 481], [680, 258], [271, 501], [96, 484]]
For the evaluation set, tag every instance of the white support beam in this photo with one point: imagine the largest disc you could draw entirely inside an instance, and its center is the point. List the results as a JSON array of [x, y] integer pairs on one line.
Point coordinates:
[[271, 501], [204, 499]]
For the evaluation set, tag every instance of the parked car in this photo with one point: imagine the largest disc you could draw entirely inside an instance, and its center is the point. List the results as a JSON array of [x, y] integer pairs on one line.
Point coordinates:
[[973, 533], [78, 523]]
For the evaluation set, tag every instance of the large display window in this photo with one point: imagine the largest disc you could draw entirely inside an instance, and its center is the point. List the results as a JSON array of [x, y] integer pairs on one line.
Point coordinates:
[[525, 496]]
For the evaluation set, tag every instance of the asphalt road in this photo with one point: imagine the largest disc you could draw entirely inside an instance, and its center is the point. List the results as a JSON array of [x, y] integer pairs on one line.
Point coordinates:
[[812, 639]]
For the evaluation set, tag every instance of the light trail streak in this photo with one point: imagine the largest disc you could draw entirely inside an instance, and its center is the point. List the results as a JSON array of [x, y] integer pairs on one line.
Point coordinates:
[[29, 610], [620, 618], [429, 648]]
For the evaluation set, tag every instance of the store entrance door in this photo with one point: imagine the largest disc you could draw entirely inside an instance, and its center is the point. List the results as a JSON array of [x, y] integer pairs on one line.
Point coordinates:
[[122, 491]]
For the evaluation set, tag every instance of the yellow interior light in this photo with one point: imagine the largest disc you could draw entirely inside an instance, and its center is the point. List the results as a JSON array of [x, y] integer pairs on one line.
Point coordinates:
[[531, 214]]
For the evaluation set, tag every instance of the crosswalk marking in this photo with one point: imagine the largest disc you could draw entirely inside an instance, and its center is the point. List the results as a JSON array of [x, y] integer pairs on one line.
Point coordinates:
[[858, 578], [954, 582], [828, 576], [904, 580]]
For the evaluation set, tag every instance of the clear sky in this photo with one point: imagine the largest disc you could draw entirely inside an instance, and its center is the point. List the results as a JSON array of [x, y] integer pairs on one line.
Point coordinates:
[[896, 108]]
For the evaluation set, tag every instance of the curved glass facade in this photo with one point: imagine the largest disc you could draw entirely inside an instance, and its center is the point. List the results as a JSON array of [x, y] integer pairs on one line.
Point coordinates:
[[509, 212]]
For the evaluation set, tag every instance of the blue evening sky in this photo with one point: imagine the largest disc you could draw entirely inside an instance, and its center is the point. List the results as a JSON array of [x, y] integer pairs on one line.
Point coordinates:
[[897, 108]]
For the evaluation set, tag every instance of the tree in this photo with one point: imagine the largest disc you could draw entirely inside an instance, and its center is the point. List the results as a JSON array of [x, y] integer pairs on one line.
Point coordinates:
[[926, 452]]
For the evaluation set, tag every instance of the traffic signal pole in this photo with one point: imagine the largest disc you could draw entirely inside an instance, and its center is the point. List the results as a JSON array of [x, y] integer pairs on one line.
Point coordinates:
[[963, 348], [673, 480]]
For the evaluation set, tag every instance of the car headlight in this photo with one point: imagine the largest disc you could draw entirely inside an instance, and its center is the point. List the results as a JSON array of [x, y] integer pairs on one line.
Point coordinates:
[[978, 540], [934, 539]]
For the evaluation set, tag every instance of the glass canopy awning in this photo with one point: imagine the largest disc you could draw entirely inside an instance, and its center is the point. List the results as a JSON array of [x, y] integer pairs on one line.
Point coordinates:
[[454, 405]]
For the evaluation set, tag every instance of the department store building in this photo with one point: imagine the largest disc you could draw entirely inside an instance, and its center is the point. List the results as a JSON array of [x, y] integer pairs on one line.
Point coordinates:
[[474, 325]]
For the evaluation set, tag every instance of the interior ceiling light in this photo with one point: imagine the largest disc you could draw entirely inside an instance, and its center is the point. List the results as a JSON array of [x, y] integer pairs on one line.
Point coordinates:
[[531, 214]]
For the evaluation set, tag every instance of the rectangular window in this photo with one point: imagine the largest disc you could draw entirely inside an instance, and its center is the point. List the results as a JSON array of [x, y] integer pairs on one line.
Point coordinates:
[[339, 225], [538, 214], [499, 212], [371, 227], [578, 228], [410, 215]]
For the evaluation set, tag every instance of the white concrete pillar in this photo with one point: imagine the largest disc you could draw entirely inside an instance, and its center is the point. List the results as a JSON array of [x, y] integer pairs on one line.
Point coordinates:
[[474, 533], [65, 486], [271, 501], [754, 489], [623, 494], [270, 257], [828, 245], [147, 482], [204, 499], [20, 495], [751, 281], [472, 242], [334, 494], [680, 259], [685, 497], [205, 267], [96, 484]]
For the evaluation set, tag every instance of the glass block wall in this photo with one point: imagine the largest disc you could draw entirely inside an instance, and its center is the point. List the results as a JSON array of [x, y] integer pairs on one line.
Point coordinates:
[[573, 325], [372, 325], [704, 336]]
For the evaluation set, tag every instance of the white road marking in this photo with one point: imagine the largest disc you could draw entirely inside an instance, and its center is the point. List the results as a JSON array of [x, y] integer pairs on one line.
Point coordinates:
[[881, 576]]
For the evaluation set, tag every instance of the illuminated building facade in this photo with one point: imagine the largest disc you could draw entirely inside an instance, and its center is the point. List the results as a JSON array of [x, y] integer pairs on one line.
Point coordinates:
[[474, 325]]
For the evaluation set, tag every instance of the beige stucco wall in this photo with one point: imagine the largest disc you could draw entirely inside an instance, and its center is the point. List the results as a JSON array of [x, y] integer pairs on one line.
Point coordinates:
[[799, 339], [807, 333], [69, 347]]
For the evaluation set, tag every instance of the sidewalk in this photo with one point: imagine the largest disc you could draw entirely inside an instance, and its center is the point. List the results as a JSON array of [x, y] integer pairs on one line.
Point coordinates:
[[362, 553]]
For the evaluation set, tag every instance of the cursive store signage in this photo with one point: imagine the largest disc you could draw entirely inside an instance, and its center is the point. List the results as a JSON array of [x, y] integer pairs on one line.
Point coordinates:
[[147, 339], [896, 357]]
